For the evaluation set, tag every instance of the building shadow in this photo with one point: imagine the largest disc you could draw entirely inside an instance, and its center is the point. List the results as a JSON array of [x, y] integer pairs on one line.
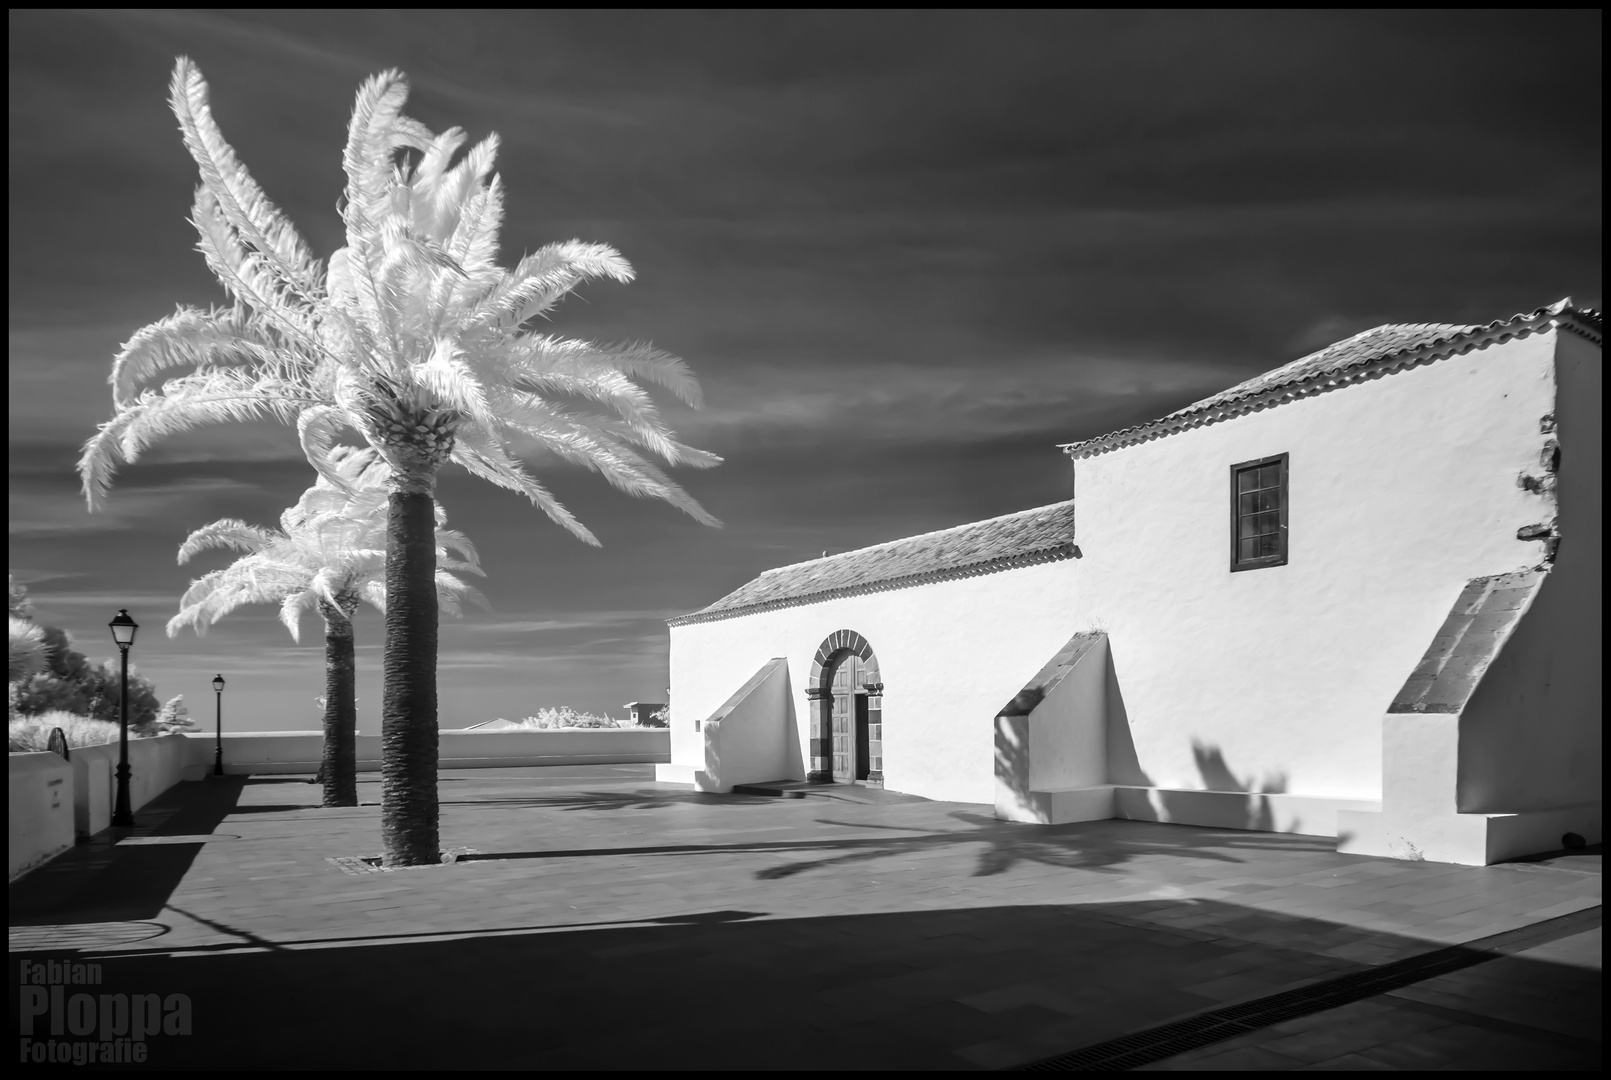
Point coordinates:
[[105, 881], [969, 987]]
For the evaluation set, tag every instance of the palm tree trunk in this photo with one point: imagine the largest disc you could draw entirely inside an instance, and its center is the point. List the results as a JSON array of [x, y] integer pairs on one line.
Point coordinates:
[[339, 768], [408, 717]]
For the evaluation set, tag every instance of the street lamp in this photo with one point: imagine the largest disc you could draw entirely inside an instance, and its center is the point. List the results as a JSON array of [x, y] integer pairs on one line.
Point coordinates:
[[218, 749], [123, 629]]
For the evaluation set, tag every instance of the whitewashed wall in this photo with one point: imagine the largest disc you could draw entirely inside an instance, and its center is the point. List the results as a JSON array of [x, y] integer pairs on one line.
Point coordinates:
[[1530, 739], [39, 811], [1402, 489], [951, 655]]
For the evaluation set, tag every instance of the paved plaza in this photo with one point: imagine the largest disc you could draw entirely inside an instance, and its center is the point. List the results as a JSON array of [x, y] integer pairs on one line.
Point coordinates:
[[603, 920]]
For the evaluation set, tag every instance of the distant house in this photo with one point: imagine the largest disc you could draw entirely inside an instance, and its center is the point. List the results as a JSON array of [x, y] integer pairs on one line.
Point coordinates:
[[1357, 596], [641, 713]]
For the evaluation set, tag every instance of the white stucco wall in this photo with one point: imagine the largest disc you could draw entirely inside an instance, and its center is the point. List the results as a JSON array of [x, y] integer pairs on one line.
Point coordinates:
[[747, 740], [1402, 488], [1067, 730], [951, 655], [1530, 737], [39, 811]]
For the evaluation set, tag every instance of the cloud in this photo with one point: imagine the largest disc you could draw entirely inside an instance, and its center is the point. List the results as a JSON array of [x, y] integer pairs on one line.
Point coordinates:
[[38, 513], [577, 621]]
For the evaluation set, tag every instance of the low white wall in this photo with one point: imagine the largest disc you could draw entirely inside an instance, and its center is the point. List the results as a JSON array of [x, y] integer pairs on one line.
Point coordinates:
[[41, 810], [155, 765], [265, 752], [747, 739], [92, 789]]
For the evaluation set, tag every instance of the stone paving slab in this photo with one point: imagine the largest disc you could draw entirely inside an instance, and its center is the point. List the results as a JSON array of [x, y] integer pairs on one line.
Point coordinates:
[[629, 924]]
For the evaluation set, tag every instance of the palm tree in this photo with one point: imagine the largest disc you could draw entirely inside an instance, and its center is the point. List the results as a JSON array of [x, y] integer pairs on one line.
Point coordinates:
[[328, 554], [27, 653], [414, 338]]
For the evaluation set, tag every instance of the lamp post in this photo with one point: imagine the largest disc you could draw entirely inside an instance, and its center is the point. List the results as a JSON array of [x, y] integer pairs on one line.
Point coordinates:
[[123, 629], [218, 746]]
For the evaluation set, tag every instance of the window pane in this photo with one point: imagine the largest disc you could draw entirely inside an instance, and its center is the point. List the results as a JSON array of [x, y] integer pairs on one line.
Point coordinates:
[[1270, 476], [1247, 480], [1248, 503], [1269, 524], [1269, 545], [1247, 549], [1269, 500]]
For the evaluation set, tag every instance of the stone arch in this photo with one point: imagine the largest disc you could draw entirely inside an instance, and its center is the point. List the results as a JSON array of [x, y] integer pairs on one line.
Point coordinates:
[[833, 651]]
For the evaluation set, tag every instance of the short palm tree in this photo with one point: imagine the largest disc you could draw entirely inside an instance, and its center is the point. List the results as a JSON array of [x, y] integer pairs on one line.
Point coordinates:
[[328, 554], [413, 337], [28, 650]]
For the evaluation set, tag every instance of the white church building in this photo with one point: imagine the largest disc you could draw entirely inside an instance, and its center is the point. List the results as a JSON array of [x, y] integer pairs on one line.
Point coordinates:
[[1357, 596]]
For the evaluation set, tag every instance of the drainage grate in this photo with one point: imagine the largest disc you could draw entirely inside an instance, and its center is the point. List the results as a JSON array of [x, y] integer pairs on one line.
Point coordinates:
[[371, 864], [1167, 1040]]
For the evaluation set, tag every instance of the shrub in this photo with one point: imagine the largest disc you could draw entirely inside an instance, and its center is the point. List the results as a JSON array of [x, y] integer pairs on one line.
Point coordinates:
[[173, 716], [71, 683], [566, 717], [32, 733]]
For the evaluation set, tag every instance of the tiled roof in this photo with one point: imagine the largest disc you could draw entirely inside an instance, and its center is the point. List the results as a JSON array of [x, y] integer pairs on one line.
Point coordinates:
[[1044, 534], [1384, 349]]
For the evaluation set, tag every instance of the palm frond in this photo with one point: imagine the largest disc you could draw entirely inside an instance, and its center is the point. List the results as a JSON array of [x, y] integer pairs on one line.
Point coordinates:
[[451, 381], [367, 158], [486, 459], [542, 278], [590, 446], [244, 205], [451, 594], [316, 428], [230, 534], [191, 337], [211, 396]]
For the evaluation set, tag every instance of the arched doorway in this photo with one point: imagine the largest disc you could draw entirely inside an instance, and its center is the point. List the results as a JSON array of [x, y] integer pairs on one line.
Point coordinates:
[[847, 712]]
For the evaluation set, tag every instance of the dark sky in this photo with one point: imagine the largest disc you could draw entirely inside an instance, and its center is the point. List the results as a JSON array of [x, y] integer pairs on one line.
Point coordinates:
[[907, 253]]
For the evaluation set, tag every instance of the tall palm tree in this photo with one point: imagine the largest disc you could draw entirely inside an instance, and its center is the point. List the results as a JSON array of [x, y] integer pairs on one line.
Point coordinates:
[[328, 554], [413, 337]]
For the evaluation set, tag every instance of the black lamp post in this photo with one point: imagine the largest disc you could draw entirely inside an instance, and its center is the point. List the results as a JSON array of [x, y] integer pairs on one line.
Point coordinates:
[[218, 748], [123, 629]]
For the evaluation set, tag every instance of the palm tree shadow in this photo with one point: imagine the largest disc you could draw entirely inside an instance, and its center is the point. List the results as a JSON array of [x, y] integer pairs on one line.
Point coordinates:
[[1094, 846], [643, 799]]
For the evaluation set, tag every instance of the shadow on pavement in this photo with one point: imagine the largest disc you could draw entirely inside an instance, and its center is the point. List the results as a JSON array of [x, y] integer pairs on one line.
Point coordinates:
[[104, 881], [1002, 845], [974, 987]]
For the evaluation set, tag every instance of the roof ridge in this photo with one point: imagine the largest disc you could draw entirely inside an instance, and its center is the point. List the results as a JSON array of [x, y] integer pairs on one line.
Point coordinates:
[[914, 536], [1020, 538], [1240, 397]]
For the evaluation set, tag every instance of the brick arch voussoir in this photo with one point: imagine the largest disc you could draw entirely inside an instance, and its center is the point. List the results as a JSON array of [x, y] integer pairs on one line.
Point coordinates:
[[842, 641]]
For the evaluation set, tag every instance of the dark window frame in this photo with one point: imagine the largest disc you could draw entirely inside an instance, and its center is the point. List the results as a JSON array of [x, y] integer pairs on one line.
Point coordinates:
[[1280, 558]]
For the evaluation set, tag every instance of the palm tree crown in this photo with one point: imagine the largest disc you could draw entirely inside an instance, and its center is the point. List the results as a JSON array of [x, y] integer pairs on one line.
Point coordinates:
[[412, 335], [330, 547]]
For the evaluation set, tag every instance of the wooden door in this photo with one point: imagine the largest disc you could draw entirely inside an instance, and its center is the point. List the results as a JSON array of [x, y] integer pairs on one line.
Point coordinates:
[[864, 748], [847, 679]]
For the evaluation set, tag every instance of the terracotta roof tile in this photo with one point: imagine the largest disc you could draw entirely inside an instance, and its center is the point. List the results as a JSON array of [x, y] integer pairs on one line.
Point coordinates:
[[1043, 534], [1391, 347]]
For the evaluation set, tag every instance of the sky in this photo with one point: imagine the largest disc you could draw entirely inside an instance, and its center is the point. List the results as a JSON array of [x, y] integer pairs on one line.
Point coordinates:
[[906, 253]]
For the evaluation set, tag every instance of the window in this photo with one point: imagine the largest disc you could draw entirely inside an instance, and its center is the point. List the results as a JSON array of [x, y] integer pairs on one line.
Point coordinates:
[[1259, 513]]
